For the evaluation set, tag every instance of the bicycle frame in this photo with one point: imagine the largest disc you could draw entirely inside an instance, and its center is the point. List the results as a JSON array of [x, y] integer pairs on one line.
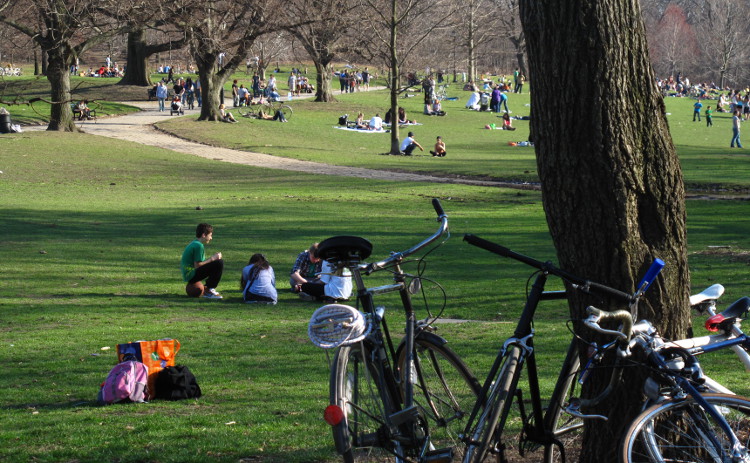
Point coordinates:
[[380, 356], [522, 338]]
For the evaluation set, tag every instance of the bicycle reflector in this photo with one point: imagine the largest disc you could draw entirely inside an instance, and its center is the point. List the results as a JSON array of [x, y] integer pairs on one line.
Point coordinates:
[[333, 415], [712, 324]]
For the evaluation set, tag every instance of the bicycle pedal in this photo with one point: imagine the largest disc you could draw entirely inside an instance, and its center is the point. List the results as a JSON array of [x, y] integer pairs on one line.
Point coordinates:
[[439, 456]]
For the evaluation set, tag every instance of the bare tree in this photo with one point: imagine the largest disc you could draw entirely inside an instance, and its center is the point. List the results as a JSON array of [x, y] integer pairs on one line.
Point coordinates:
[[322, 38], [269, 48], [673, 44], [139, 50], [479, 24], [722, 26], [220, 38], [612, 186], [65, 29], [387, 20]]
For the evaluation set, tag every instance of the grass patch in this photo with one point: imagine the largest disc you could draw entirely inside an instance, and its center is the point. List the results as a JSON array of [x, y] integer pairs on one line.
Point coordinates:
[[94, 231]]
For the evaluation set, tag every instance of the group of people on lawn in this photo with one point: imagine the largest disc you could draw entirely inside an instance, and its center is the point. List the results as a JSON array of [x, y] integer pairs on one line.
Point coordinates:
[[310, 277]]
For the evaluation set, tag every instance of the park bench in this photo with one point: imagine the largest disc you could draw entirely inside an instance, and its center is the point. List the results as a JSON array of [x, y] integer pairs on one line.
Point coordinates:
[[77, 112]]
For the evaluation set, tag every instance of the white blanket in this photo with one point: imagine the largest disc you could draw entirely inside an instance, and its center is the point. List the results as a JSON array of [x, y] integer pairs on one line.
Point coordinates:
[[352, 129]]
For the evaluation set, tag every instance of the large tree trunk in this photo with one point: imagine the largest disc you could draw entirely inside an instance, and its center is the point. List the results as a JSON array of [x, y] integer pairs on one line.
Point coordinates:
[[611, 182], [58, 75], [211, 85], [136, 72], [324, 91]]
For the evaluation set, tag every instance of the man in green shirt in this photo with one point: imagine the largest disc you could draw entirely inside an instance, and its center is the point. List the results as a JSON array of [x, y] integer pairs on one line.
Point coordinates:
[[194, 265]]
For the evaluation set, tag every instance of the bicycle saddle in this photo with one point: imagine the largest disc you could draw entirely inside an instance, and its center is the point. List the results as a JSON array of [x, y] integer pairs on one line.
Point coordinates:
[[713, 292], [342, 248], [737, 310]]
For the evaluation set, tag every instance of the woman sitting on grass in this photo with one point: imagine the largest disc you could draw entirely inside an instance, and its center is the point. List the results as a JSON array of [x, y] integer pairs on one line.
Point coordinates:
[[258, 282], [225, 115]]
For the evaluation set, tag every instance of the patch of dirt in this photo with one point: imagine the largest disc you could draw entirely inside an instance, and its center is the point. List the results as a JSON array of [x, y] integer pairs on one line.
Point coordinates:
[[733, 255]]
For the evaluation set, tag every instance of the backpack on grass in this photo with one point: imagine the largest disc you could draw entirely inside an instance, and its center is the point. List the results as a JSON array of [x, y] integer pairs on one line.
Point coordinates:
[[126, 382], [177, 383]]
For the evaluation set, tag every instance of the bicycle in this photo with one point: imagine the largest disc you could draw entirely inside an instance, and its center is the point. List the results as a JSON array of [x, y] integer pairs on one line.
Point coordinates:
[[405, 401], [682, 422], [483, 433]]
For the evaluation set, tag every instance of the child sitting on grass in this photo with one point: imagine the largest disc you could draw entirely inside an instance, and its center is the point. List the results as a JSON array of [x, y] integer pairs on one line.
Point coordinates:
[[439, 148]]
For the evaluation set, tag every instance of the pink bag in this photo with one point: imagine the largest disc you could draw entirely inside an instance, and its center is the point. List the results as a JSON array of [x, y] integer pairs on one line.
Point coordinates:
[[127, 381]]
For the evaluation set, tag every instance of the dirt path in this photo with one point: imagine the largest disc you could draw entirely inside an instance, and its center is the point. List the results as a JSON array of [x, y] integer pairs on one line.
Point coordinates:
[[139, 128]]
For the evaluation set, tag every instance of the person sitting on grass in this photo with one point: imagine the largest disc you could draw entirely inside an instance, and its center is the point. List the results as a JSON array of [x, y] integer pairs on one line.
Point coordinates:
[[225, 115], [258, 282], [194, 265], [376, 123], [409, 144], [360, 122], [439, 148], [507, 123], [402, 117], [304, 277]]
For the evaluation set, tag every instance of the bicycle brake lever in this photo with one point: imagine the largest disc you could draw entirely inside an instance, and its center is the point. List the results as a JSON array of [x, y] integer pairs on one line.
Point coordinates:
[[574, 407]]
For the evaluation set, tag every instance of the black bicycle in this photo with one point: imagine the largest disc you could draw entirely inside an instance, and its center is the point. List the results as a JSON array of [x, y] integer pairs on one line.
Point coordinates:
[[396, 400], [552, 425]]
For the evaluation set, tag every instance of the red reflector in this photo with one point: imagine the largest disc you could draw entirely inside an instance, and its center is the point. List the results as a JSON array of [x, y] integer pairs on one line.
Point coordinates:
[[333, 415], [712, 324]]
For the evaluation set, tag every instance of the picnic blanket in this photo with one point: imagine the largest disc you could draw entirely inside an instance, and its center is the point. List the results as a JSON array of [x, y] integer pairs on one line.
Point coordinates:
[[402, 125], [352, 129]]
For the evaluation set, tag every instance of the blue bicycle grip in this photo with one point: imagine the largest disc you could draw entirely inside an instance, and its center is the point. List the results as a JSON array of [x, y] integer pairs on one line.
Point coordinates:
[[650, 275]]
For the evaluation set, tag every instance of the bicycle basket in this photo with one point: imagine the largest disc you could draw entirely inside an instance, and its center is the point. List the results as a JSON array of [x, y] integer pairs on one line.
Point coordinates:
[[335, 325]]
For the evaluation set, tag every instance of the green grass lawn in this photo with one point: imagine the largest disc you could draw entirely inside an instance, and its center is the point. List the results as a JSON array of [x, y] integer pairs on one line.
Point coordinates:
[[473, 151], [95, 229]]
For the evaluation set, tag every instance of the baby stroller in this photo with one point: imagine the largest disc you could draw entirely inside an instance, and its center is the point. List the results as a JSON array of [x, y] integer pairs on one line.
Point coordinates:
[[176, 106]]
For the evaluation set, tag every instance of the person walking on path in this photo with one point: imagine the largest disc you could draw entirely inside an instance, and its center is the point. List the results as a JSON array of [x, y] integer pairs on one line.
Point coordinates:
[[736, 121], [161, 94]]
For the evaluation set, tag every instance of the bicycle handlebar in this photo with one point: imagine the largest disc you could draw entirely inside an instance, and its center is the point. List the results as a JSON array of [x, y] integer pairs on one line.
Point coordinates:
[[622, 316], [578, 283], [399, 256]]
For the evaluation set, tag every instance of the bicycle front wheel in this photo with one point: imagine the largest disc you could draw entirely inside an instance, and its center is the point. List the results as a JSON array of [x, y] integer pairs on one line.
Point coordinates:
[[490, 420], [681, 430], [444, 390], [362, 434], [565, 429]]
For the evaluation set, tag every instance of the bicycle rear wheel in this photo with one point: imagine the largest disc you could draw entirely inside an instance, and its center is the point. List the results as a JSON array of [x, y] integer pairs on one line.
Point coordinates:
[[362, 434], [681, 430], [287, 110], [444, 389], [490, 420]]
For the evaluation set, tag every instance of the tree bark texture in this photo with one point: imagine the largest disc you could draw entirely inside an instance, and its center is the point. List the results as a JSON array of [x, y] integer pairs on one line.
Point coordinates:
[[58, 75], [612, 185], [136, 72], [324, 90]]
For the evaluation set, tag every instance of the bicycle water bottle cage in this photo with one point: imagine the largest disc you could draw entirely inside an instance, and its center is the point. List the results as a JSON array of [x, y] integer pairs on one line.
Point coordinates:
[[344, 249], [726, 319]]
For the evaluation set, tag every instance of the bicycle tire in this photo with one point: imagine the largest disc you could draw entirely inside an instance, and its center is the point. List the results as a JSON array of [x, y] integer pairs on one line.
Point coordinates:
[[564, 428], [444, 389], [496, 409], [354, 388], [287, 110], [670, 431]]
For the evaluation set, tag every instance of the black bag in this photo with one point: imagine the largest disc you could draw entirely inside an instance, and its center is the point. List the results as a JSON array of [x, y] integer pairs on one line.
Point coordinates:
[[343, 119], [177, 383]]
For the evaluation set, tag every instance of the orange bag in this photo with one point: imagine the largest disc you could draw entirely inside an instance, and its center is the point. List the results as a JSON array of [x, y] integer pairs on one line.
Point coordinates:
[[156, 355]]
